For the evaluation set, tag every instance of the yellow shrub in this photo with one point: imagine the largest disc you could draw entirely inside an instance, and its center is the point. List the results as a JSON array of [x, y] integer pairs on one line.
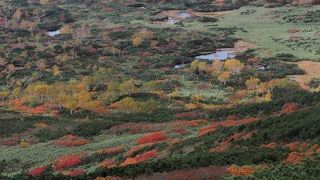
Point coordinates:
[[41, 125], [190, 106], [24, 144]]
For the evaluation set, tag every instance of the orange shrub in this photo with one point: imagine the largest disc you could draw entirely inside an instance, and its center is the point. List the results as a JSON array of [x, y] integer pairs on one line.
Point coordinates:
[[151, 138], [294, 158], [37, 171], [207, 129], [312, 150], [71, 141], [67, 161], [297, 146], [241, 171], [140, 158]]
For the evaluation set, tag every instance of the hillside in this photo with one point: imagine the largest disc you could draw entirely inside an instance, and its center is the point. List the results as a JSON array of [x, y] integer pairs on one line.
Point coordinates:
[[170, 89]]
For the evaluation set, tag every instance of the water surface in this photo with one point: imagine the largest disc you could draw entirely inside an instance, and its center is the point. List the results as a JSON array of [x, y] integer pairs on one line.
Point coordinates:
[[220, 54]]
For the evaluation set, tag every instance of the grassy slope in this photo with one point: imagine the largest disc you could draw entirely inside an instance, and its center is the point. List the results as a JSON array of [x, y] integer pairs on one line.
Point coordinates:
[[262, 27]]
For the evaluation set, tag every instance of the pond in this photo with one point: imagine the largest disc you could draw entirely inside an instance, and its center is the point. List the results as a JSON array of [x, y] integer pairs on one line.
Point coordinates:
[[172, 21], [178, 66], [220, 54], [174, 17], [183, 15], [53, 33]]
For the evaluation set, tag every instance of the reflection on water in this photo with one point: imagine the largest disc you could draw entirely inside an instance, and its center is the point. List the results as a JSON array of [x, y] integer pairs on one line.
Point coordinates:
[[184, 15], [220, 54], [53, 33], [178, 17]]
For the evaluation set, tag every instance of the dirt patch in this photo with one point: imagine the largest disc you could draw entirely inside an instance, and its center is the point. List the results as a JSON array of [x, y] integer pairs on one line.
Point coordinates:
[[242, 46], [312, 70]]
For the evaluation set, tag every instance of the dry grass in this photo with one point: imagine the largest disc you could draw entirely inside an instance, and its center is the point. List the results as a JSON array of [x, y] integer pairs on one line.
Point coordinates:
[[312, 70]]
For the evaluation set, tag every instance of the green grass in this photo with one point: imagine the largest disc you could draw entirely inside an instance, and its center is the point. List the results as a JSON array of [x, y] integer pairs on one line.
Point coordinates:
[[268, 31], [45, 153]]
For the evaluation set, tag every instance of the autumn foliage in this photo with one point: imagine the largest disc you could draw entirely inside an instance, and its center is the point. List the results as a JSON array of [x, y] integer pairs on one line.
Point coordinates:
[[152, 138], [67, 161], [71, 141], [17, 104], [37, 171], [140, 158], [289, 108], [180, 130], [107, 164], [294, 158], [135, 149], [241, 170], [226, 123], [192, 123]]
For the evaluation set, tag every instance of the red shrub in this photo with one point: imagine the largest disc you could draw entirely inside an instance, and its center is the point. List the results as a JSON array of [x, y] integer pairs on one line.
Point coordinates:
[[180, 130], [193, 123], [111, 151], [71, 141], [225, 144], [290, 108], [152, 137], [37, 171], [67, 161], [136, 148], [140, 158], [207, 129], [137, 128], [12, 141], [74, 172], [226, 123], [39, 109], [192, 114], [17, 104], [293, 30], [270, 145], [109, 178], [107, 164]]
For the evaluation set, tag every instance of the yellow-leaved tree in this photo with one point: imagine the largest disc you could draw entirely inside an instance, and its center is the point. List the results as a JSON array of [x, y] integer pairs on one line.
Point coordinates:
[[128, 87], [234, 66], [252, 83], [224, 77]]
